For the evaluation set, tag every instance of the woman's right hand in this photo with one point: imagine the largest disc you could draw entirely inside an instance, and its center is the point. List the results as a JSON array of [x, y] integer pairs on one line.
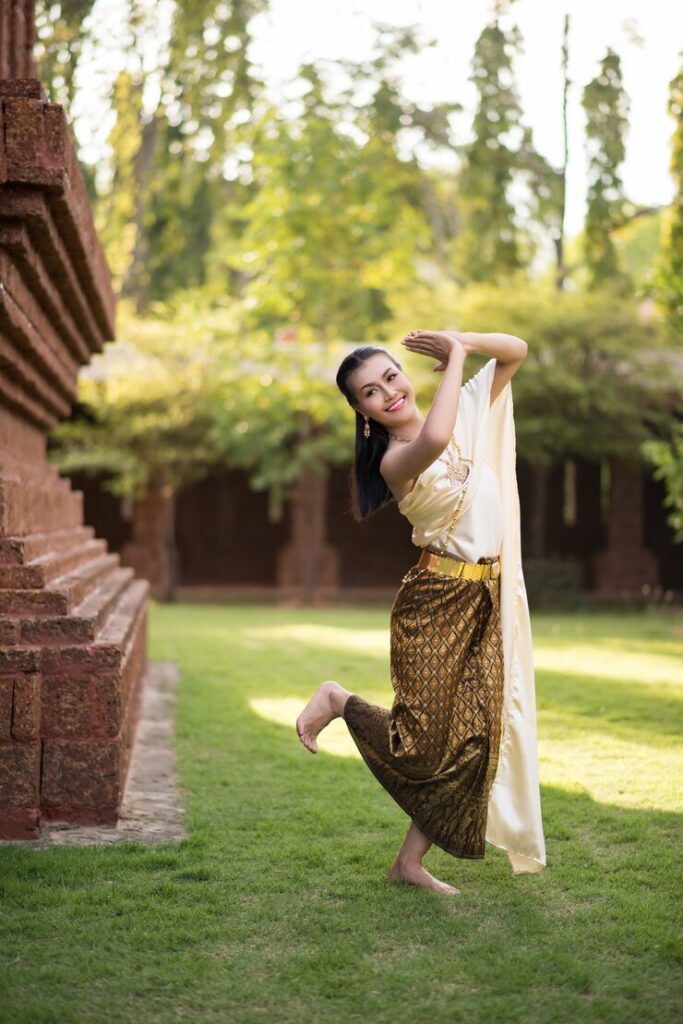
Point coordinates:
[[438, 344]]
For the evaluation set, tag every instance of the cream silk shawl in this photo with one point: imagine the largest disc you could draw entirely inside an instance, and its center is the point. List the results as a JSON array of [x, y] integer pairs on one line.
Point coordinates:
[[487, 433]]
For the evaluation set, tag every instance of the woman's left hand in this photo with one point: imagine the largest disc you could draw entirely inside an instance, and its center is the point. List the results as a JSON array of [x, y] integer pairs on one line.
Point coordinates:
[[415, 342]]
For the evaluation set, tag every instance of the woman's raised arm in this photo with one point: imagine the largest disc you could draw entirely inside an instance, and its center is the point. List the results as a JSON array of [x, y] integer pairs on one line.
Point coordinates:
[[406, 461]]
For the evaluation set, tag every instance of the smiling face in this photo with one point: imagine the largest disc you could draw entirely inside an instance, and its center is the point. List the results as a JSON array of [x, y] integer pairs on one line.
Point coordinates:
[[383, 392]]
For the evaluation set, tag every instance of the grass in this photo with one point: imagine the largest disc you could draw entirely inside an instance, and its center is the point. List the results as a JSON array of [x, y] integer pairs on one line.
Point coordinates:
[[277, 907]]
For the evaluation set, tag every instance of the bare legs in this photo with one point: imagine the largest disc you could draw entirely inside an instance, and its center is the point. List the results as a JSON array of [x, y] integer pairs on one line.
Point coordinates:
[[408, 864], [327, 703]]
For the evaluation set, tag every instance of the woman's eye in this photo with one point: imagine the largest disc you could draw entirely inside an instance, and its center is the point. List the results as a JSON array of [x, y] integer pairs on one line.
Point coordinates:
[[372, 390]]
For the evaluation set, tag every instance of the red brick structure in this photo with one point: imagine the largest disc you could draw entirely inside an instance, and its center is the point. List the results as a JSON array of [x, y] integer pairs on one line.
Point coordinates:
[[626, 566], [308, 563], [72, 619], [606, 543]]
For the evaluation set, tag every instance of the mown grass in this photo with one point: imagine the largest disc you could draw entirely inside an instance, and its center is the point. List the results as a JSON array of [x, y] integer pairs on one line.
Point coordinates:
[[277, 907]]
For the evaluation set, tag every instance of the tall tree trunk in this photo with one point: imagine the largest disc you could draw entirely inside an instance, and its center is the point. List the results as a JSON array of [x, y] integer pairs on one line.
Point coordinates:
[[561, 270]]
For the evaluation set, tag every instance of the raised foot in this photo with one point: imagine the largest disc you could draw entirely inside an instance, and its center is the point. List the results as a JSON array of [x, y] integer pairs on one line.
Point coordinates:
[[318, 713], [415, 874]]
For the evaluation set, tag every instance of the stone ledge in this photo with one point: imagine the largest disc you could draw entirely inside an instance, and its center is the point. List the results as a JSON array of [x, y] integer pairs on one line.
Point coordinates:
[[152, 809]]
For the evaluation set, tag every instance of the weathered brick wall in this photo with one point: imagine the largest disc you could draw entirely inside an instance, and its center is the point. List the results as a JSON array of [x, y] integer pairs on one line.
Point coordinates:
[[72, 619]]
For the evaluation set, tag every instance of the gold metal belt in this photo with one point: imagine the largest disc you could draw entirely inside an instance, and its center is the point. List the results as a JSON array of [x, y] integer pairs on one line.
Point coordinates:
[[453, 567]]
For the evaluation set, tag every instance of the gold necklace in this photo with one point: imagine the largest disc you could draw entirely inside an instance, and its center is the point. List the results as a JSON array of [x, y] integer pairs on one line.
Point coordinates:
[[457, 472], [456, 469]]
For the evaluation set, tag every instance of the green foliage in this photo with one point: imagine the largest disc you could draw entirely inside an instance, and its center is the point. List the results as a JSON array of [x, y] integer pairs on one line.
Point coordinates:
[[178, 146], [669, 275], [667, 456], [637, 245], [606, 105], [277, 412], [187, 389], [340, 215], [492, 243], [117, 212], [596, 381], [144, 419], [331, 227]]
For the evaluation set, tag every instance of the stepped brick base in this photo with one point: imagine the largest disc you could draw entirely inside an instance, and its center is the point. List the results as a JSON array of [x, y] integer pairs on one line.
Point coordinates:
[[69, 700], [72, 618]]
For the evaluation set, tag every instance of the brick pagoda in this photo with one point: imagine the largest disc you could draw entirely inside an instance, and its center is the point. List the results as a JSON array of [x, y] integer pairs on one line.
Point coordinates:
[[72, 619]]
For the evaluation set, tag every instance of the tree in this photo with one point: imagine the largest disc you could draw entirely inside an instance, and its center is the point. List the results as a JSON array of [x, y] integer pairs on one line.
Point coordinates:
[[119, 212], [669, 274], [560, 261], [180, 145], [492, 243], [400, 128], [202, 132], [333, 224], [606, 105]]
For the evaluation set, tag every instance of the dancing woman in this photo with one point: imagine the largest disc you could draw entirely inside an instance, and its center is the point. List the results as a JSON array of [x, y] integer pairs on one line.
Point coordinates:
[[457, 749]]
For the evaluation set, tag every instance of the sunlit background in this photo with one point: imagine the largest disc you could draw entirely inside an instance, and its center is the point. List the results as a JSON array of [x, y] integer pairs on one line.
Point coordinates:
[[648, 36]]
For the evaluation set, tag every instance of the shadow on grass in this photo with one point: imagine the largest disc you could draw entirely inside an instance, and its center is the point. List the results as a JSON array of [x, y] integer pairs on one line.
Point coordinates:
[[632, 711]]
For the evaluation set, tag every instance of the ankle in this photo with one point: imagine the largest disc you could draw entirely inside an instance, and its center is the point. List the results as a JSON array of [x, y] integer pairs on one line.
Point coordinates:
[[404, 861], [337, 697]]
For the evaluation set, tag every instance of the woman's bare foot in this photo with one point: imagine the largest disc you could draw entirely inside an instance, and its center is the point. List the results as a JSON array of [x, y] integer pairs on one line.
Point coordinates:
[[318, 713], [413, 873]]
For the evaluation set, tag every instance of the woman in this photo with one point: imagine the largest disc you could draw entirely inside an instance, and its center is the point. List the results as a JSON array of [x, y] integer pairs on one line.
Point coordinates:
[[457, 749]]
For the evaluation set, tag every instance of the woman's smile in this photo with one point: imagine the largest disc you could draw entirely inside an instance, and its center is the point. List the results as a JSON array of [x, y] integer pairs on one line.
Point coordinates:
[[397, 404]]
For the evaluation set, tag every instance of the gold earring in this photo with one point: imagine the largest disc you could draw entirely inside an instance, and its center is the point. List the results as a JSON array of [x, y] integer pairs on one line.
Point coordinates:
[[366, 428]]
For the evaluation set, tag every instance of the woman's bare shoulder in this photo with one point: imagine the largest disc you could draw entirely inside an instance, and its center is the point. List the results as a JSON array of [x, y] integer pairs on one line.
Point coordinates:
[[398, 488]]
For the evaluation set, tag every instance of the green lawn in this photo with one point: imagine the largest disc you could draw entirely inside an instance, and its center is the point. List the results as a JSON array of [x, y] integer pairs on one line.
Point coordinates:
[[278, 908]]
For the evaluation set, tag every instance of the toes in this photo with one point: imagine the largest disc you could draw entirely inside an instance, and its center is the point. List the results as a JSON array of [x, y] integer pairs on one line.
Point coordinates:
[[306, 740], [303, 736]]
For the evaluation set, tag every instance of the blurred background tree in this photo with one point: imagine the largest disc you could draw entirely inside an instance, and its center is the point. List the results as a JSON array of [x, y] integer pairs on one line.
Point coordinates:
[[606, 106], [669, 271]]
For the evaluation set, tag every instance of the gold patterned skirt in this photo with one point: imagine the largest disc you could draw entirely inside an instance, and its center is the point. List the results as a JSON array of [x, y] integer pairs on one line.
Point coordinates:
[[436, 749]]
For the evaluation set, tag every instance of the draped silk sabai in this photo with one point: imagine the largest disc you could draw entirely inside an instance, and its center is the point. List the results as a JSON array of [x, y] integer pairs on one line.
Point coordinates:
[[458, 749]]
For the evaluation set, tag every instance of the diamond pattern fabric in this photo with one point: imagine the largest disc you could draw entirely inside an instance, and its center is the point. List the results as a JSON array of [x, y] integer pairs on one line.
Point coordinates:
[[436, 749]]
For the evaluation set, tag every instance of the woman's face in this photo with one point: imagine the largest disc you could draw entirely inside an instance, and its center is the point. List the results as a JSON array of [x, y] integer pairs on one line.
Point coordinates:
[[383, 392]]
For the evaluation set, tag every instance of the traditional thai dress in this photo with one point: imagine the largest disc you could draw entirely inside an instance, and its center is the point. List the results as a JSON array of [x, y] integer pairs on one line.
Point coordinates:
[[457, 750]]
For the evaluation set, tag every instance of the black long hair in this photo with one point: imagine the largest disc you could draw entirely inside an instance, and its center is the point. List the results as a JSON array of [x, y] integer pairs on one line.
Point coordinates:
[[369, 491]]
